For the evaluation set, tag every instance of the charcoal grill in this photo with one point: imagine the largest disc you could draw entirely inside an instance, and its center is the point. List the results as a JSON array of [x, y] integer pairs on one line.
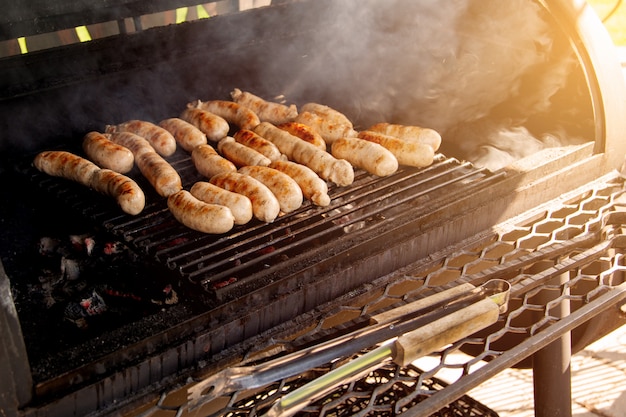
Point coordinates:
[[316, 271]]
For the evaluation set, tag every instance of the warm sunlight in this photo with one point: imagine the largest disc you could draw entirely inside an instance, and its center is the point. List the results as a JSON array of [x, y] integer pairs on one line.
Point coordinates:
[[613, 14]]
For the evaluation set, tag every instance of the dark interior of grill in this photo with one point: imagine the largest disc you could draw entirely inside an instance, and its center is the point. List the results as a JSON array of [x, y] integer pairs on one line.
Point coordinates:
[[167, 282]]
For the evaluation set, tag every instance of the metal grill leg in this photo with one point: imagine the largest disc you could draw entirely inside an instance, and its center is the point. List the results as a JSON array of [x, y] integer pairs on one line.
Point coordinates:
[[552, 371]]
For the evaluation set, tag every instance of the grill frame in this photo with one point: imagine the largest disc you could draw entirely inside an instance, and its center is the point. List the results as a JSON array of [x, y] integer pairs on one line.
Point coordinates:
[[530, 183]]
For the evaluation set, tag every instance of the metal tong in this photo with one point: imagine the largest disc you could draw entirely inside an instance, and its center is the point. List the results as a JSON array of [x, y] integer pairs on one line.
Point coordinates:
[[392, 324]]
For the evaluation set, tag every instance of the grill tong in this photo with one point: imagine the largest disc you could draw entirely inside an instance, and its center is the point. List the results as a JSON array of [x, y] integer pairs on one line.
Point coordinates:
[[405, 324]]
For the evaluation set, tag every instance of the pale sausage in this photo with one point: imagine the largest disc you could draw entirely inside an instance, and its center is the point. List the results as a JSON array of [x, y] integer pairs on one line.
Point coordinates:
[[187, 135], [239, 204], [239, 154], [161, 140], [213, 126], [313, 187], [208, 162], [232, 112], [411, 133], [267, 111], [407, 153], [330, 114], [265, 206], [198, 215], [285, 189], [370, 156]]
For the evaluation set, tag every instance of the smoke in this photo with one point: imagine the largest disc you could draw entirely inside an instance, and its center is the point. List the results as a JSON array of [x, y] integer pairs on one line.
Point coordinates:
[[493, 77], [487, 74]]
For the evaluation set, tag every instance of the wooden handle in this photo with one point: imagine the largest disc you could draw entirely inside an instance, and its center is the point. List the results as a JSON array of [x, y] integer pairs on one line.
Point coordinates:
[[391, 315], [445, 330]]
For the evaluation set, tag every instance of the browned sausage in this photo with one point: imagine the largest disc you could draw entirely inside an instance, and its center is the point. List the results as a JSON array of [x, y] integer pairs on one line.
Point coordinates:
[[213, 126], [198, 215], [106, 154], [304, 132], [313, 187], [285, 189], [324, 164], [133, 142], [159, 173], [239, 154], [327, 128], [208, 162], [259, 144], [411, 133], [66, 165], [187, 135], [127, 193], [267, 111], [407, 153], [124, 190], [161, 140], [265, 206], [232, 112], [239, 204], [370, 156]]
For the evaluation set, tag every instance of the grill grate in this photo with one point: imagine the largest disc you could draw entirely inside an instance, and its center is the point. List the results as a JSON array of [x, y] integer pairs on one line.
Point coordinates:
[[257, 252], [580, 237]]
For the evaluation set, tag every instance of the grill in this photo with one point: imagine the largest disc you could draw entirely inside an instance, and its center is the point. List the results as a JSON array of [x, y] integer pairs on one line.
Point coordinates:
[[265, 289]]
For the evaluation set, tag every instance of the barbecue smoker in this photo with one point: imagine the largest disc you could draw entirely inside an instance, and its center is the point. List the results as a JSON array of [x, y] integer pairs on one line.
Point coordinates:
[[530, 103]]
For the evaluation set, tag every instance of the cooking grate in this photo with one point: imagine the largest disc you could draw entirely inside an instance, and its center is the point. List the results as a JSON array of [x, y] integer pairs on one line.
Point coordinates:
[[253, 254], [568, 252]]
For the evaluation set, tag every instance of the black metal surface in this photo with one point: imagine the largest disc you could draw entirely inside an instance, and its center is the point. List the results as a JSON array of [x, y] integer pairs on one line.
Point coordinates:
[[252, 255]]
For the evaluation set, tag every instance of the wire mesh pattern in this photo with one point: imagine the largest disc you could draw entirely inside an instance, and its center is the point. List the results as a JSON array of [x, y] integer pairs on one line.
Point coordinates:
[[565, 262]]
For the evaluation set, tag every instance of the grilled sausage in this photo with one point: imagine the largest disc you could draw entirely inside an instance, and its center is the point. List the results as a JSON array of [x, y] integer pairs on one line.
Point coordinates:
[[410, 133], [198, 215], [265, 206], [304, 132], [66, 165], [239, 204], [107, 154], [267, 111], [127, 193], [133, 142], [187, 135], [407, 153], [328, 113], [232, 112], [213, 126], [313, 187], [324, 164], [327, 128], [208, 162], [159, 173], [161, 140], [239, 154], [370, 156], [259, 144], [285, 189], [62, 164]]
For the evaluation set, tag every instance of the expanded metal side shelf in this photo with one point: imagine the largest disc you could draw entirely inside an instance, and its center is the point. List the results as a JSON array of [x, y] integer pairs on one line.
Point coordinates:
[[564, 260]]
